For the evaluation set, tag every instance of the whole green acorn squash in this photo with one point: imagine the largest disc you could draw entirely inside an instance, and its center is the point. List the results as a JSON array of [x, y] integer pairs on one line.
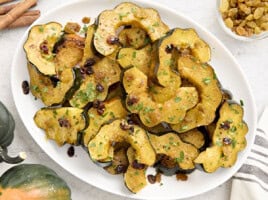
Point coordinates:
[[33, 182], [7, 126]]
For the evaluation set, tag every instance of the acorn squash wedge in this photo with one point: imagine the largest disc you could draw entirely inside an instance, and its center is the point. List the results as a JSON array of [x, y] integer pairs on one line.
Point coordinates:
[[100, 147], [228, 139], [53, 90], [150, 112], [39, 46], [105, 39], [89, 56], [134, 178], [133, 37], [179, 39], [63, 125], [113, 109], [171, 145], [33, 182], [202, 76], [95, 86]]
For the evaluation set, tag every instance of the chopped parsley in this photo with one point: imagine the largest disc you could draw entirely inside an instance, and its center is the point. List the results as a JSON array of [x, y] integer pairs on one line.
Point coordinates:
[[206, 80], [181, 158], [134, 54], [241, 102], [177, 99]]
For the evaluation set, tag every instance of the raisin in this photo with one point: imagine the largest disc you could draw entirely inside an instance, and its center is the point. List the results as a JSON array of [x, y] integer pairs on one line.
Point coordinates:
[[99, 88], [43, 47], [121, 169], [54, 80], [182, 177], [132, 100], [169, 48], [64, 123], [89, 70], [100, 111], [70, 151], [86, 20], [98, 104], [25, 87], [132, 119], [137, 165], [151, 178], [89, 62], [113, 40], [125, 126], [227, 141], [225, 125]]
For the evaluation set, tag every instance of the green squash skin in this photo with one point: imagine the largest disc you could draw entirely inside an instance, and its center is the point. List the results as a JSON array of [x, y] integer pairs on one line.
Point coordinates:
[[35, 176], [7, 126]]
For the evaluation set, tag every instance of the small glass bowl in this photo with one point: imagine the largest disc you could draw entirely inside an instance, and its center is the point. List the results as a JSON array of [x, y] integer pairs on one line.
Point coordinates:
[[227, 30]]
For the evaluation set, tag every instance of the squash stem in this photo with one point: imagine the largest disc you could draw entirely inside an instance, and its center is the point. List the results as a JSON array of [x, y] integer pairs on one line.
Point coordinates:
[[11, 160]]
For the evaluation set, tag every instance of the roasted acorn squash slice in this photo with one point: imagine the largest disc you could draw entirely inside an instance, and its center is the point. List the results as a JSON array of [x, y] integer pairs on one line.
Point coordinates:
[[100, 147], [228, 139], [53, 90], [39, 46], [95, 86], [89, 51], [126, 13], [171, 145], [133, 38], [62, 125], [134, 178], [203, 77], [150, 112], [113, 109], [179, 39]]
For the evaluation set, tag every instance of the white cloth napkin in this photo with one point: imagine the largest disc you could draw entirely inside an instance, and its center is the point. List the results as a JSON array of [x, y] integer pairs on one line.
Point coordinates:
[[251, 181]]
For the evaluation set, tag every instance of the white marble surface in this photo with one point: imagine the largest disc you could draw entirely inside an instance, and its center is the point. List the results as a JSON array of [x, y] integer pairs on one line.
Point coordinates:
[[252, 57]]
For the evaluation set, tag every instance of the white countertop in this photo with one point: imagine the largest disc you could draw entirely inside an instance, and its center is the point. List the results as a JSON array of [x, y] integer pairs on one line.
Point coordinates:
[[253, 58]]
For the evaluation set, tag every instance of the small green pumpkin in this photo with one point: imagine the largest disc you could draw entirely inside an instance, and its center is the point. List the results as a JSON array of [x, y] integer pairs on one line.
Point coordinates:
[[7, 126], [33, 182]]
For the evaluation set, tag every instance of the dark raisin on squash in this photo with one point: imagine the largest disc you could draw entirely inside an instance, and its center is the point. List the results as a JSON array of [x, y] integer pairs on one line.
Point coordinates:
[[227, 141], [54, 80], [137, 165], [25, 87], [125, 126], [99, 87], [99, 105], [132, 100], [121, 169], [112, 40], [225, 125], [44, 47], [89, 62], [168, 162], [169, 48], [64, 123]]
